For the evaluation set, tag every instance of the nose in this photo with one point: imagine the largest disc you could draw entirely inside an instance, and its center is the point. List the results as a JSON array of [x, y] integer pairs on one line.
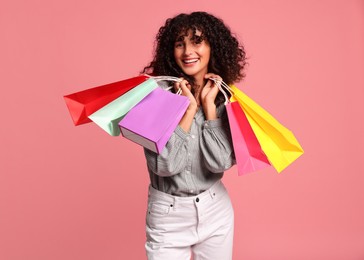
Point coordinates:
[[188, 49]]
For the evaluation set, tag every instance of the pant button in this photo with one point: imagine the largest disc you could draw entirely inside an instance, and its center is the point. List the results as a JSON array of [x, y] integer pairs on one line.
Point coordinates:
[[197, 199]]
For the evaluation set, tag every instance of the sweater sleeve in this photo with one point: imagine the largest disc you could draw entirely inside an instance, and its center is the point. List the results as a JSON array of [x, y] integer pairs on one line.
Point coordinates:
[[172, 159], [216, 144]]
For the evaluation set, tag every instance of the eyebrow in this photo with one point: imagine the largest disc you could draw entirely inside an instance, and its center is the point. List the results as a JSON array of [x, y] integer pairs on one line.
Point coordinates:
[[195, 37], [180, 38]]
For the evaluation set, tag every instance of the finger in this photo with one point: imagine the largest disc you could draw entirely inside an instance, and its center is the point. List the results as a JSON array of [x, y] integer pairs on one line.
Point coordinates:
[[189, 86], [176, 86], [185, 85], [215, 78], [211, 95], [208, 84], [212, 75]]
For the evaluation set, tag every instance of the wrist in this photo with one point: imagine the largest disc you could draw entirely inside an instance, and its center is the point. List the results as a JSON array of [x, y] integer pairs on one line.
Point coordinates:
[[192, 109], [187, 118]]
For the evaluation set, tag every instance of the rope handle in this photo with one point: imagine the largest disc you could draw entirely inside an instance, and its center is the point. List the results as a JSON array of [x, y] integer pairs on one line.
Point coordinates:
[[166, 78], [219, 83]]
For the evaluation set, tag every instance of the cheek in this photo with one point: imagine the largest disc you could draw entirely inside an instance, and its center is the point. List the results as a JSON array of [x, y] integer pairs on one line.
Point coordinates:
[[207, 56], [205, 50], [177, 54]]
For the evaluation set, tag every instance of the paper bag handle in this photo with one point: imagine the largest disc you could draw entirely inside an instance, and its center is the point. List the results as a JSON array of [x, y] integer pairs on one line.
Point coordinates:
[[167, 78], [221, 84]]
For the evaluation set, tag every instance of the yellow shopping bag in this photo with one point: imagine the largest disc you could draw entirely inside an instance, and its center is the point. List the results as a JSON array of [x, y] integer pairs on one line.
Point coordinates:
[[277, 142]]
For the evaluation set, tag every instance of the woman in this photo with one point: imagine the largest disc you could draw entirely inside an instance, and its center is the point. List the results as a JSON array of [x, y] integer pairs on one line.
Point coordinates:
[[189, 209]]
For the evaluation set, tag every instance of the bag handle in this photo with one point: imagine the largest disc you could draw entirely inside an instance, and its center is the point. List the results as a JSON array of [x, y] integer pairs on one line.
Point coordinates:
[[218, 82], [221, 84], [166, 78]]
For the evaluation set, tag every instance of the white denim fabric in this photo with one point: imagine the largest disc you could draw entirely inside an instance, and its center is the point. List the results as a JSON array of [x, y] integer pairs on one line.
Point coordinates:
[[201, 225]]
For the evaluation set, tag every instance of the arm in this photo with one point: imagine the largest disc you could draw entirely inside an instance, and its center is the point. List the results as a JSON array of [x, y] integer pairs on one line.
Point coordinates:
[[216, 144], [187, 118], [172, 160]]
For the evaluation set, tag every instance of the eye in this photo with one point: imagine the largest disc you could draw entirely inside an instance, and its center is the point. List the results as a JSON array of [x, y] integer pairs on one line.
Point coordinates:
[[178, 45]]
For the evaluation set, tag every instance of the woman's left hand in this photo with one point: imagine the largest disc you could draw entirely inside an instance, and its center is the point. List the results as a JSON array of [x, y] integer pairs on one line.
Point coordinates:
[[208, 96]]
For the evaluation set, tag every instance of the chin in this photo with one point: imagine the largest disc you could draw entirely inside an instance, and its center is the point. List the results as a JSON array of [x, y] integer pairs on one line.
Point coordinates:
[[191, 72]]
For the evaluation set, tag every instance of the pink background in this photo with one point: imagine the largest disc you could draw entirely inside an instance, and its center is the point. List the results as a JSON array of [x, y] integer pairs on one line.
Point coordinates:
[[75, 193]]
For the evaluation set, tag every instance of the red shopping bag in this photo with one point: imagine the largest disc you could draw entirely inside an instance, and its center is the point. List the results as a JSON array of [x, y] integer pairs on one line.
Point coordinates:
[[248, 152], [84, 103]]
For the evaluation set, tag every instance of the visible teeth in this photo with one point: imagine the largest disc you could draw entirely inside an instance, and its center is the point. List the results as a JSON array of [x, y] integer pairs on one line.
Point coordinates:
[[190, 61]]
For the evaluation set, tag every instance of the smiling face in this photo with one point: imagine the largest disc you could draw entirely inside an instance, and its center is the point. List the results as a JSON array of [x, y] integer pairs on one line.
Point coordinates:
[[192, 54]]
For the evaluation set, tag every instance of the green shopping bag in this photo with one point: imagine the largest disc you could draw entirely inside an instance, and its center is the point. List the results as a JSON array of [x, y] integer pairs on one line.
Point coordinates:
[[110, 115]]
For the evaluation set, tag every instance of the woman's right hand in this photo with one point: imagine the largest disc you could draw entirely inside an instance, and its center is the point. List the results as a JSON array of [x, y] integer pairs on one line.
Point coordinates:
[[187, 119], [186, 91]]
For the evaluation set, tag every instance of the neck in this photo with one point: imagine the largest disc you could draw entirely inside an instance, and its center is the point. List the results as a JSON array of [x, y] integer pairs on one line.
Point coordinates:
[[197, 88], [200, 80]]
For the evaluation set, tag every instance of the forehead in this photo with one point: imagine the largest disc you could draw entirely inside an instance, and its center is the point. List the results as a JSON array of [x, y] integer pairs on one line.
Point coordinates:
[[189, 33]]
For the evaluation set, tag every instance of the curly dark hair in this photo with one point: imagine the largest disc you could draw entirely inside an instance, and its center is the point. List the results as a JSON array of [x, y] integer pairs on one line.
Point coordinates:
[[227, 57]]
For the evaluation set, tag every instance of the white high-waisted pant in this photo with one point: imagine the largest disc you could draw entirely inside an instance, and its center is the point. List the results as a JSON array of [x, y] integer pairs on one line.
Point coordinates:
[[203, 224]]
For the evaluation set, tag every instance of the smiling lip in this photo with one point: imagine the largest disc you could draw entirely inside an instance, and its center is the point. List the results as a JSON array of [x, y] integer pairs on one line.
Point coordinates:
[[190, 61]]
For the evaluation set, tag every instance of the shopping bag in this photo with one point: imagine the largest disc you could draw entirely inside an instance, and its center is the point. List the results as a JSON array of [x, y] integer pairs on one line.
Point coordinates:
[[278, 143], [248, 152], [84, 103], [110, 115], [152, 121]]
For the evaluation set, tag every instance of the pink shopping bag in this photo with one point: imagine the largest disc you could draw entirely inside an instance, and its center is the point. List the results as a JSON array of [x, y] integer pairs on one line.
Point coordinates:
[[248, 153]]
